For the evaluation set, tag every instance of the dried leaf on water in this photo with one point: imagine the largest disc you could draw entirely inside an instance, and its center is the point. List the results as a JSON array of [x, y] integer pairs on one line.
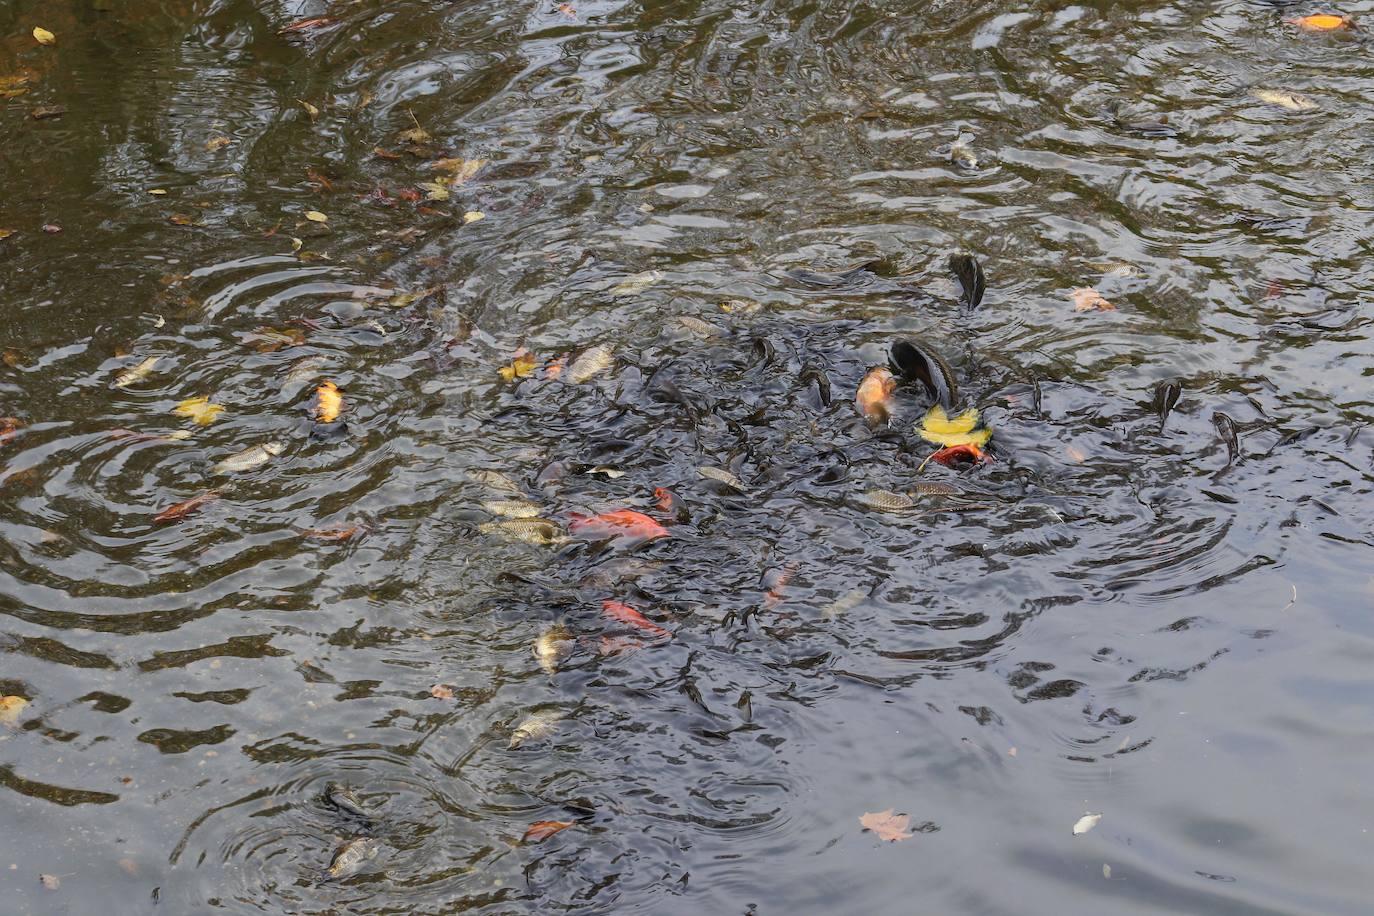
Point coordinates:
[[591, 363], [11, 707], [309, 109], [1087, 299], [553, 646], [215, 143], [305, 25], [434, 190], [887, 825], [1293, 101], [567, 9], [535, 727], [182, 509], [636, 283], [720, 475], [538, 531], [626, 524], [542, 830], [198, 410], [9, 427], [1085, 823], [43, 36], [46, 112], [315, 216], [136, 374], [473, 216], [521, 366], [623, 613], [328, 402], [182, 219], [874, 397], [252, 457], [1322, 22], [441, 692], [6, 233]]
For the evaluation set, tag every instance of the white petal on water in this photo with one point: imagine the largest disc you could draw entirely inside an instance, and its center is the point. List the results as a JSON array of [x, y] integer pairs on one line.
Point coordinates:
[[1106, 871], [1086, 823]]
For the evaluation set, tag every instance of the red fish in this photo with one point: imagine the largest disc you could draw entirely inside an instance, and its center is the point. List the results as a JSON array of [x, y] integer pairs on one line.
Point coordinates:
[[670, 505], [623, 613], [954, 454], [182, 509], [622, 523]]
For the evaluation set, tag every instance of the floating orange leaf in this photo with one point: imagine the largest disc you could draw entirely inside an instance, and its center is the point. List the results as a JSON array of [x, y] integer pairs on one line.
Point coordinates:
[[623, 613], [542, 830], [199, 410], [888, 826], [623, 523], [1323, 22], [441, 692], [328, 402], [182, 509], [1086, 299]]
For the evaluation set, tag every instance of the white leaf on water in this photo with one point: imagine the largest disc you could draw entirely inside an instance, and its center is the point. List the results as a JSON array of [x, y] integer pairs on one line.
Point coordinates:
[[1086, 823]]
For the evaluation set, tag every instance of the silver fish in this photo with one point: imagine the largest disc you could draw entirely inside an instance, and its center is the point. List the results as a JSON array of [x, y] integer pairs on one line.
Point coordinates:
[[739, 306], [1293, 101], [886, 500], [136, 374], [935, 489], [302, 373], [636, 283], [591, 363], [697, 326], [345, 799], [552, 646], [529, 530], [351, 856], [511, 508], [535, 727], [496, 480], [720, 475], [844, 604], [248, 459]]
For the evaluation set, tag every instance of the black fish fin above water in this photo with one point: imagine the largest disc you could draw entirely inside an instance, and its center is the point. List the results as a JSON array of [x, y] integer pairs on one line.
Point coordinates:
[[915, 360], [969, 273]]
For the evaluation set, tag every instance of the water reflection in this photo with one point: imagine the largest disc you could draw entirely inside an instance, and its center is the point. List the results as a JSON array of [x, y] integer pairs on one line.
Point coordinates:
[[1122, 616]]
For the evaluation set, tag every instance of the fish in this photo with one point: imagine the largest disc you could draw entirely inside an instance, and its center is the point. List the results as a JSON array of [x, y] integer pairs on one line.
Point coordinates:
[[1226, 428], [697, 326], [844, 604], [1322, 22], [304, 370], [955, 454], [345, 799], [496, 480], [1166, 397], [671, 505], [535, 727], [886, 500], [962, 156], [539, 531], [742, 306], [136, 373], [351, 855], [822, 381], [182, 509], [252, 457], [552, 646], [328, 402], [720, 475], [511, 508], [916, 360], [1293, 101], [935, 489], [623, 613], [970, 275], [874, 397], [591, 363], [621, 523], [636, 283]]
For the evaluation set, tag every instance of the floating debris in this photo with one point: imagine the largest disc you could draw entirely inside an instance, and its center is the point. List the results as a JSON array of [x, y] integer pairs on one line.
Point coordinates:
[[1086, 823]]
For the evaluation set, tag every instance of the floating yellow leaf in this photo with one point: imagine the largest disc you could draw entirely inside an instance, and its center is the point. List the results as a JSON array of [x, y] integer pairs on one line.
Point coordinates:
[[215, 143], [296, 243], [520, 367], [43, 36], [460, 169], [940, 424], [315, 216], [157, 191], [416, 135], [473, 216], [309, 109], [11, 708], [434, 190], [199, 410], [328, 402]]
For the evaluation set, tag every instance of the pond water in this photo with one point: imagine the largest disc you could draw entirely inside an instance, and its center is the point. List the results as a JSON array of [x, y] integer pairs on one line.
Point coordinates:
[[1167, 624]]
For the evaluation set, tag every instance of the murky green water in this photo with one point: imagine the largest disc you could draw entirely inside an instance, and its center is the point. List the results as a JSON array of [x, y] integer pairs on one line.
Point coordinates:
[[1117, 619]]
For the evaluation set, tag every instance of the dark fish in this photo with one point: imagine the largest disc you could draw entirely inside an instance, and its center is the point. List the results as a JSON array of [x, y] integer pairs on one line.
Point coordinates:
[[970, 275], [1226, 428], [346, 800], [814, 374], [1166, 397], [917, 361]]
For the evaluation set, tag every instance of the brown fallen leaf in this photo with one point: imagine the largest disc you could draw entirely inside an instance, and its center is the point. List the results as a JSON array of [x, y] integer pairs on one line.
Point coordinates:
[[888, 826], [1086, 299], [385, 154], [12, 356], [305, 25], [441, 692], [215, 143], [315, 178], [182, 509], [181, 219], [328, 402], [542, 830], [45, 112]]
